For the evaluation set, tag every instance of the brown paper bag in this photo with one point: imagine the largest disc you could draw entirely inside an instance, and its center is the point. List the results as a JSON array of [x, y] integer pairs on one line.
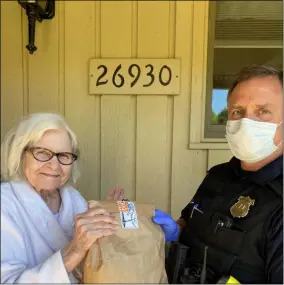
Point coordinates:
[[133, 254]]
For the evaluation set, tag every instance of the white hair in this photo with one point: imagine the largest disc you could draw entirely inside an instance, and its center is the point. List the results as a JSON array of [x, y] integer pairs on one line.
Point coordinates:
[[28, 132]]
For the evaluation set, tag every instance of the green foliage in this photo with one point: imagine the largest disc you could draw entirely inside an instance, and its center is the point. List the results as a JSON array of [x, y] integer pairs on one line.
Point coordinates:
[[214, 119], [221, 118]]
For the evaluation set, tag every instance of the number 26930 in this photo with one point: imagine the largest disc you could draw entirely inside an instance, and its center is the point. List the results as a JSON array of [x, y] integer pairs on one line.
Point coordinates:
[[135, 73], [139, 76]]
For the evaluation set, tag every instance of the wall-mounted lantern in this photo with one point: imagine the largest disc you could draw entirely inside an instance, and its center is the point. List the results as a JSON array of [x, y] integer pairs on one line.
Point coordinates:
[[37, 10]]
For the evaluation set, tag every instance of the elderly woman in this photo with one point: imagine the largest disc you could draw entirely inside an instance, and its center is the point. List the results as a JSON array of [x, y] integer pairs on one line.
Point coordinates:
[[46, 226]]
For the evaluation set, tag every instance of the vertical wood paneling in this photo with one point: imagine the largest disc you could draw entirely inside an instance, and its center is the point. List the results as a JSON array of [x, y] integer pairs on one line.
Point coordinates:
[[152, 183], [198, 68], [117, 112], [139, 142], [12, 105], [25, 56], [188, 167], [218, 156], [61, 56], [79, 106], [96, 148], [43, 67], [170, 103]]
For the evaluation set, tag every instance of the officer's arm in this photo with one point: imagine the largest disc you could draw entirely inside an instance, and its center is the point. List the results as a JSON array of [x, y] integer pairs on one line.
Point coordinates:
[[197, 198], [186, 212], [181, 223], [274, 249]]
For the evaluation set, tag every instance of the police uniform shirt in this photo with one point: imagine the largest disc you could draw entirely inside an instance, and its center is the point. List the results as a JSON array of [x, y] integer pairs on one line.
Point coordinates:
[[255, 240]]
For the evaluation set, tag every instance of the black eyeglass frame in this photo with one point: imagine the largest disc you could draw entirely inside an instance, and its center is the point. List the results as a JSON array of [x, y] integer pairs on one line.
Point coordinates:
[[57, 154]]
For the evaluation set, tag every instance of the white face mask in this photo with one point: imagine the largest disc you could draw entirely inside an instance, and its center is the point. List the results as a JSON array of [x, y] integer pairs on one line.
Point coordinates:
[[249, 140]]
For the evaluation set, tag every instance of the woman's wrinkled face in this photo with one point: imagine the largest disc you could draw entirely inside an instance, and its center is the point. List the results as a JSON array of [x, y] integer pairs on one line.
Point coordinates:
[[49, 175]]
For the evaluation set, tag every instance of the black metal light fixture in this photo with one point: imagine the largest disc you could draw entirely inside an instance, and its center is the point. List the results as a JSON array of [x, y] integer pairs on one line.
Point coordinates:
[[37, 10]]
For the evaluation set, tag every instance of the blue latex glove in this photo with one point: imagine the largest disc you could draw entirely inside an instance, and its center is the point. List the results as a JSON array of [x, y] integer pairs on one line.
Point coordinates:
[[168, 225]]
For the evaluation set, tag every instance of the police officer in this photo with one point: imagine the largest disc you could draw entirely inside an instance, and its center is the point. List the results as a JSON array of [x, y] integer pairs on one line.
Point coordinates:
[[234, 223]]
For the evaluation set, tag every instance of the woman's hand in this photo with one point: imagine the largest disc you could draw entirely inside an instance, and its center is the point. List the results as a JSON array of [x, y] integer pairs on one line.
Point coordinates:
[[88, 227], [115, 194]]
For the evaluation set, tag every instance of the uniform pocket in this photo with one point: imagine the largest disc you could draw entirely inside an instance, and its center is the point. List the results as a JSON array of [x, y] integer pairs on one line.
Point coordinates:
[[229, 240]]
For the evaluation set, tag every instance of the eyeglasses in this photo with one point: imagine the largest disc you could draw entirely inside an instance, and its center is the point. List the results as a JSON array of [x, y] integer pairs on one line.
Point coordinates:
[[44, 155]]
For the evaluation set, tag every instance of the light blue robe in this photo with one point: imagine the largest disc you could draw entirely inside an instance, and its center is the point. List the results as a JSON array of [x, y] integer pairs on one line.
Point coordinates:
[[32, 237]]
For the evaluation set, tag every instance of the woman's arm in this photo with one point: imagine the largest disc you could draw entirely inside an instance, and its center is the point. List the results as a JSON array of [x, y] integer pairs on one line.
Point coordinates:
[[14, 259]]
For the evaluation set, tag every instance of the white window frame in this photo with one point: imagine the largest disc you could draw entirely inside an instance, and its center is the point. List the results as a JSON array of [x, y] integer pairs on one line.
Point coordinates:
[[202, 76], [200, 79]]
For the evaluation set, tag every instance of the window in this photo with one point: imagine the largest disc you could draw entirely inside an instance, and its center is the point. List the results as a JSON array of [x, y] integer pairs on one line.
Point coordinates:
[[240, 33], [219, 106]]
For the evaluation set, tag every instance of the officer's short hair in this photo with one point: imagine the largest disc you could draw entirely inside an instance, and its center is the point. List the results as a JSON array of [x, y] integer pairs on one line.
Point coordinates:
[[254, 71]]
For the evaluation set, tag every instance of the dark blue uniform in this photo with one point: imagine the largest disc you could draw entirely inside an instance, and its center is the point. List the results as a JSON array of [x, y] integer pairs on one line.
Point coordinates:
[[245, 242]]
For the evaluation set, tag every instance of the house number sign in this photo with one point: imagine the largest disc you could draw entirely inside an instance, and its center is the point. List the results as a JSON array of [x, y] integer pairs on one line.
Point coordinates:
[[134, 76]]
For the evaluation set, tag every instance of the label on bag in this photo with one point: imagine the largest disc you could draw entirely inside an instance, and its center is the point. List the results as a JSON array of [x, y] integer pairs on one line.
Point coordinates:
[[128, 215]]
